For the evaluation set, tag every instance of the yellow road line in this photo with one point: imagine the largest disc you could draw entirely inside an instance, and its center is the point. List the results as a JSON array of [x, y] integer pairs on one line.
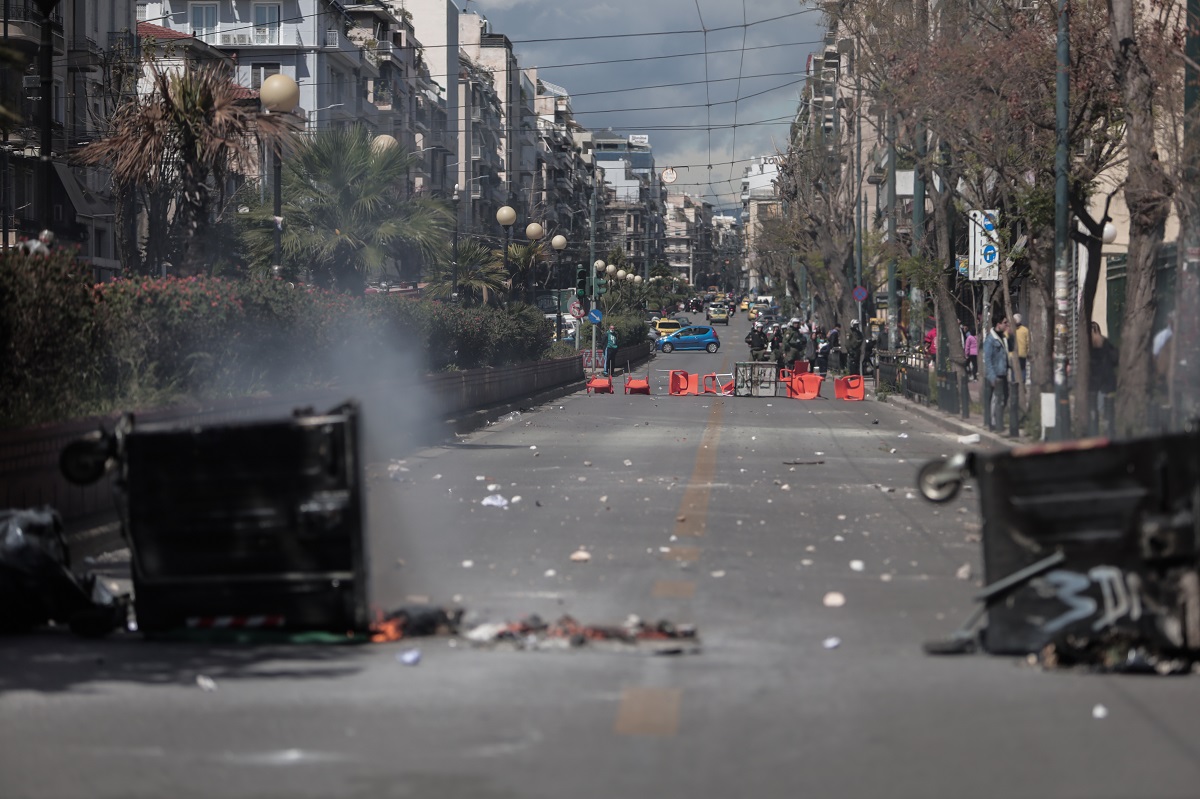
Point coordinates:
[[674, 589], [693, 507], [649, 711]]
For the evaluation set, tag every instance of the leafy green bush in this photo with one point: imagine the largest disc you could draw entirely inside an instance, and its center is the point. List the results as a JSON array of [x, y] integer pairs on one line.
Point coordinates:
[[45, 337], [68, 348]]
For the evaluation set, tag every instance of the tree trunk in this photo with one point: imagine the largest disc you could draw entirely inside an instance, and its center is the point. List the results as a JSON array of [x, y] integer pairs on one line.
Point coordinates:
[[1040, 291], [1147, 196]]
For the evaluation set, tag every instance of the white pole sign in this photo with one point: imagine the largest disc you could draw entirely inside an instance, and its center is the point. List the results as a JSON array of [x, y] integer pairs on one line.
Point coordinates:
[[984, 246]]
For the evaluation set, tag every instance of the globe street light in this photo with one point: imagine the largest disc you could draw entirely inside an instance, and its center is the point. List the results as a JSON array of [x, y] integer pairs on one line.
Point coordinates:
[[280, 94], [506, 216]]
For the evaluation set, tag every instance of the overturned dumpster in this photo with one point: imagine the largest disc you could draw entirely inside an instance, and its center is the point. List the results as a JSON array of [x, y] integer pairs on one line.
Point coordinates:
[[247, 524], [1088, 547]]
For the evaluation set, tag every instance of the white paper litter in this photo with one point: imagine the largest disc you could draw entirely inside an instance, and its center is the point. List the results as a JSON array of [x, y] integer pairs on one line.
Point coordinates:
[[1099, 712], [832, 642], [206, 683], [834, 599], [857, 565], [971, 439], [581, 556], [494, 501], [718, 573]]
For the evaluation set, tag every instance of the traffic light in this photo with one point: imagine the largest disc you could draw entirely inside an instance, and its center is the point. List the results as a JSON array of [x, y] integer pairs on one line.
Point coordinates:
[[601, 286], [581, 275]]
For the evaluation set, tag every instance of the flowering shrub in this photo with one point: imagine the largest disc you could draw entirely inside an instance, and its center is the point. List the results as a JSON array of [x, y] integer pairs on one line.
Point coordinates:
[[68, 348]]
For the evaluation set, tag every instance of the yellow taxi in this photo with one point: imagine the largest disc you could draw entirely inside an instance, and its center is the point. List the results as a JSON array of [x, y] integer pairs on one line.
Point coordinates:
[[665, 327], [744, 305]]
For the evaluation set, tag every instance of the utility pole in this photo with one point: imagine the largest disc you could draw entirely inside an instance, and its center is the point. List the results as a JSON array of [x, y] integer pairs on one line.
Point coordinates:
[[45, 67], [592, 261], [1186, 348], [1062, 274], [916, 310], [893, 298]]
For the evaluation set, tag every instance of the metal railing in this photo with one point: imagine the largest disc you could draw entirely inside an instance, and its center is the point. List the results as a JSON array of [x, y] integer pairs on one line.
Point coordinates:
[[905, 372]]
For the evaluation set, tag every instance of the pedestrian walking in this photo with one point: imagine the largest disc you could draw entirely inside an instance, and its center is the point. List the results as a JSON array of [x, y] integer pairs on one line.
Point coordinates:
[[854, 343], [1021, 336], [1103, 367], [995, 370], [971, 350], [610, 350]]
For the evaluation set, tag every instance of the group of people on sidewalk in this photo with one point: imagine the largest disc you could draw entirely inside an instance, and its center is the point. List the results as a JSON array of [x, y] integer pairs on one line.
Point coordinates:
[[1005, 357]]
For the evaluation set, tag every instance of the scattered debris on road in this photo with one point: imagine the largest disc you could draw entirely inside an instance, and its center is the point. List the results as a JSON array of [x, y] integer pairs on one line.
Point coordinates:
[[534, 634], [834, 599], [494, 501], [409, 657], [206, 683], [581, 556], [832, 642]]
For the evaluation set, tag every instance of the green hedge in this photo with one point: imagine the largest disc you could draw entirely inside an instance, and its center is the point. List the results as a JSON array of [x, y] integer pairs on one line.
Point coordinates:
[[69, 348]]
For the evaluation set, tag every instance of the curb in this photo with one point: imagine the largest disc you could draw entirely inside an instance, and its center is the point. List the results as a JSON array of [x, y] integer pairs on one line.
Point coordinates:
[[952, 424]]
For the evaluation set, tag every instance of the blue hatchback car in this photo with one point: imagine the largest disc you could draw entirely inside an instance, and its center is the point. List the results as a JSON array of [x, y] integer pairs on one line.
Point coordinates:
[[692, 337]]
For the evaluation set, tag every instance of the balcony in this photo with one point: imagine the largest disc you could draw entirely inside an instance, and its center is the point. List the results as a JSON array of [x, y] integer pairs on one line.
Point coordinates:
[[25, 29], [260, 37], [82, 54]]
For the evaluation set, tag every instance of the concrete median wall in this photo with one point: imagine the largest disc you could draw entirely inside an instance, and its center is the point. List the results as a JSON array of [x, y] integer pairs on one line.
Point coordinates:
[[30, 476]]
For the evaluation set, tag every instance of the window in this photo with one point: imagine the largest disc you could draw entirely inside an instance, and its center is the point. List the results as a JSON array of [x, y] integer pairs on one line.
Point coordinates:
[[260, 72], [100, 243], [204, 21], [266, 23], [142, 14]]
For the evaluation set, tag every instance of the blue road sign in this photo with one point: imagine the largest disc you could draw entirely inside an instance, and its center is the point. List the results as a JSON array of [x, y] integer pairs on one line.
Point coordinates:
[[596, 316], [989, 254], [859, 294]]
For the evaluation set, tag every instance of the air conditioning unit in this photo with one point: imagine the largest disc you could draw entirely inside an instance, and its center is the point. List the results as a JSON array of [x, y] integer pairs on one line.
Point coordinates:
[[228, 39], [31, 81]]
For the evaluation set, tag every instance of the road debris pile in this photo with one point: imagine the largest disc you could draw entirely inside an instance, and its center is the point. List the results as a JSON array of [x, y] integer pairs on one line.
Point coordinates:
[[1091, 553], [533, 633]]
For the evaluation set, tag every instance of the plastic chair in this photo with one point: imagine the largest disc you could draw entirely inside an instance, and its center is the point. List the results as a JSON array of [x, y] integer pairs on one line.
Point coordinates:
[[849, 387], [599, 384], [800, 367], [636, 385], [713, 384], [807, 386], [681, 383]]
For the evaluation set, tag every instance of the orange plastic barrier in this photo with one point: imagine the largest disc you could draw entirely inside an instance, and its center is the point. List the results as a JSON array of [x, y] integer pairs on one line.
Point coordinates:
[[599, 384], [849, 387], [683, 383], [637, 385]]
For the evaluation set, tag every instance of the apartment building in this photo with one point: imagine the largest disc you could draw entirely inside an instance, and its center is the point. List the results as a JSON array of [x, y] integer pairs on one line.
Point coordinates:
[[92, 65], [760, 201], [643, 235], [310, 43], [688, 242], [563, 181]]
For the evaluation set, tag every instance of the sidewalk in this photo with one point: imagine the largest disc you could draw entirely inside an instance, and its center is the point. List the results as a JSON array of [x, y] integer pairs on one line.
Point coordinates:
[[954, 423]]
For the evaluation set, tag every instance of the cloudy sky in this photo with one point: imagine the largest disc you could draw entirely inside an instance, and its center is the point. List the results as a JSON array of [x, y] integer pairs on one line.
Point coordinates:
[[618, 60]]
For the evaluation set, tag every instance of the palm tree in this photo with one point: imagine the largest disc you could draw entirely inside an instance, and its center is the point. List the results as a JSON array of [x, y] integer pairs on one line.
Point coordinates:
[[346, 215], [480, 274], [172, 151]]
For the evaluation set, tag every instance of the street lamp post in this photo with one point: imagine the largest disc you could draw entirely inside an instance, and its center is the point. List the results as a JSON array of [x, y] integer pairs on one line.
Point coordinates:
[[506, 216], [280, 94], [454, 274], [533, 232], [559, 243]]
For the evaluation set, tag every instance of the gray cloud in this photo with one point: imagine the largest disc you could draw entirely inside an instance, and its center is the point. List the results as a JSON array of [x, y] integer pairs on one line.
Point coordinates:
[[780, 46]]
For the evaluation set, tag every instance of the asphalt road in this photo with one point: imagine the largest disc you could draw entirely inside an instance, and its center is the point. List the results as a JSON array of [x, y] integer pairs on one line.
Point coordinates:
[[739, 515]]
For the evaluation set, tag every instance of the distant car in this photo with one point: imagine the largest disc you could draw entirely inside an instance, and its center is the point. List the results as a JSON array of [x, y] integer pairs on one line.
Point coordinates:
[[681, 319], [744, 305], [718, 313], [667, 326], [693, 337]]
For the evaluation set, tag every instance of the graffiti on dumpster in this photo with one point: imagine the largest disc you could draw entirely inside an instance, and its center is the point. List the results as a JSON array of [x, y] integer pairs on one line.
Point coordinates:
[[1119, 592]]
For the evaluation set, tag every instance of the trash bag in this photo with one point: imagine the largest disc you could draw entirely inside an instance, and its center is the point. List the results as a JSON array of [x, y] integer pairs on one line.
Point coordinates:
[[36, 582]]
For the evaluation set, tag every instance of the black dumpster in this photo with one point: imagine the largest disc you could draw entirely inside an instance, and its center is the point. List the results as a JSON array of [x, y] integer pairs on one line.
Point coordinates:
[[1087, 542], [246, 525]]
